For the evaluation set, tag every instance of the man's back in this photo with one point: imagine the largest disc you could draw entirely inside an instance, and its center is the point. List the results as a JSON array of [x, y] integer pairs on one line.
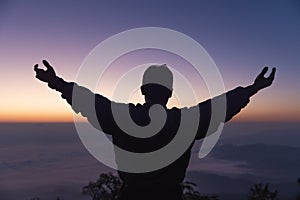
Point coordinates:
[[164, 182], [171, 174]]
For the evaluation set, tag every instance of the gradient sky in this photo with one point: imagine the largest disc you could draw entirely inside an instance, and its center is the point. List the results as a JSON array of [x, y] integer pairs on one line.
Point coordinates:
[[240, 36]]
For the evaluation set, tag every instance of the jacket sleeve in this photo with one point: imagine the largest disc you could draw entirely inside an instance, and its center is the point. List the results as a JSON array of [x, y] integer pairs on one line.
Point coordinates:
[[236, 99], [96, 108]]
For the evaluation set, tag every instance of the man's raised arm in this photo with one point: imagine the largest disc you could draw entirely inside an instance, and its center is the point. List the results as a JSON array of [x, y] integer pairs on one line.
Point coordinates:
[[236, 99], [93, 106]]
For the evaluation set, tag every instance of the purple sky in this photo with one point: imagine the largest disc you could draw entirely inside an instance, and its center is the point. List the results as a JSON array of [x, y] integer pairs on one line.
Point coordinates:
[[240, 36]]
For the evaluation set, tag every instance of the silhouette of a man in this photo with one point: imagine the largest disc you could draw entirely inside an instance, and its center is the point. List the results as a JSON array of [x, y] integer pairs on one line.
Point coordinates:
[[157, 89]]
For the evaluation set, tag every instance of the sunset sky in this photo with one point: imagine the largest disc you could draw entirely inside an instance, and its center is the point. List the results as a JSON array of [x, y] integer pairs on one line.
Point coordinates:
[[240, 36]]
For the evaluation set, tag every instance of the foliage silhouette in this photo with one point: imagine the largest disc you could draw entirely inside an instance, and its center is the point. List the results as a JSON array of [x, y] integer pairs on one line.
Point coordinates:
[[37, 198], [262, 192], [108, 187], [190, 193]]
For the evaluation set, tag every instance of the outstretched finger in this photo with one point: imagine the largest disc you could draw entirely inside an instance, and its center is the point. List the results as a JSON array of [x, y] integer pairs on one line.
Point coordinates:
[[36, 67], [47, 65], [264, 71]]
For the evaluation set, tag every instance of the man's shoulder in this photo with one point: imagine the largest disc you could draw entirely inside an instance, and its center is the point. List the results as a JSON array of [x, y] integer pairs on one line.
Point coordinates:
[[140, 106]]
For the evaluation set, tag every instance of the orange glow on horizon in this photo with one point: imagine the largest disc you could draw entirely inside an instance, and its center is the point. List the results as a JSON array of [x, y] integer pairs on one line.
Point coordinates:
[[37, 103], [45, 117], [246, 115], [70, 119]]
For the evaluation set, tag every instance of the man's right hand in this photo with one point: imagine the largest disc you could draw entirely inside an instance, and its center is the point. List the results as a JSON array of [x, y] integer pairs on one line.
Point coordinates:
[[261, 82], [45, 75]]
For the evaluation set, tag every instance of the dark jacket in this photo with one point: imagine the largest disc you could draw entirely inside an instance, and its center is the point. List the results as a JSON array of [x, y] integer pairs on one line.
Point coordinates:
[[98, 111]]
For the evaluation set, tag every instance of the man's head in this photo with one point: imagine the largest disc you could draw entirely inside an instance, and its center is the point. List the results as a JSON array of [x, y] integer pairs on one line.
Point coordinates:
[[157, 84]]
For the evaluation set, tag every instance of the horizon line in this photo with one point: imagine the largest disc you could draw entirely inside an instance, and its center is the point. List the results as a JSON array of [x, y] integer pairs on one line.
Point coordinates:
[[85, 121]]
